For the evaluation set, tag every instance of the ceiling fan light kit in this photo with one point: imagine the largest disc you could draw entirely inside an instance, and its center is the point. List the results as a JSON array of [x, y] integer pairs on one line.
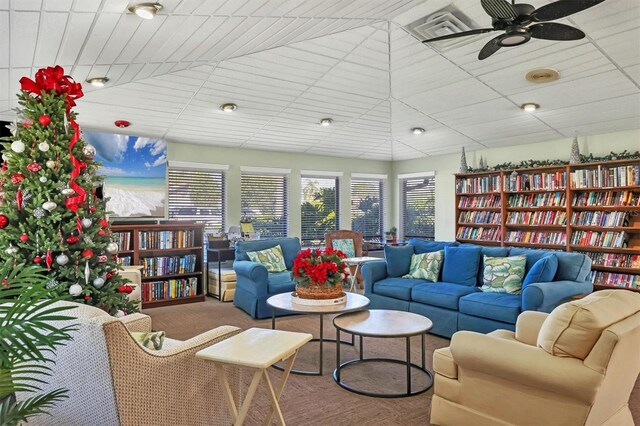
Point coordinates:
[[146, 10]]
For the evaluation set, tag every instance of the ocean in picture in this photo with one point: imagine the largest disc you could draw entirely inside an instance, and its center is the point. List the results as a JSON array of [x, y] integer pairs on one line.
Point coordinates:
[[135, 173]]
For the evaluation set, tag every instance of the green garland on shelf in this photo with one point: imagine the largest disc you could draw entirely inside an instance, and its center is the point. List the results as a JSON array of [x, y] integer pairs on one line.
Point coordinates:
[[541, 163]]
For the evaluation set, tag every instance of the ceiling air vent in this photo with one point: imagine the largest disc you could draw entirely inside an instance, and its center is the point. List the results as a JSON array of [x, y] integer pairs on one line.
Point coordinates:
[[448, 20]]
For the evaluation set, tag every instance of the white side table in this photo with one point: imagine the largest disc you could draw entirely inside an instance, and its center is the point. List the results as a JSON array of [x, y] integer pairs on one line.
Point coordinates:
[[257, 349], [357, 261]]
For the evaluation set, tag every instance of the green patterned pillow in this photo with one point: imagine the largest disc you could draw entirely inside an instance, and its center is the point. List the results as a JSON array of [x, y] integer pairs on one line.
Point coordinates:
[[346, 246], [152, 340], [503, 274], [426, 265], [272, 258]]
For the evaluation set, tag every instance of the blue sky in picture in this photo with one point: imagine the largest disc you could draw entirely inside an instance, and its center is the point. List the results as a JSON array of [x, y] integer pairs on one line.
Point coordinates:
[[129, 156]]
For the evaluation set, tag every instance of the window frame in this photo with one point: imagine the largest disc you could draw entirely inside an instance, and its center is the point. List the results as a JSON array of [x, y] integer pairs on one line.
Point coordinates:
[[405, 180], [257, 176]]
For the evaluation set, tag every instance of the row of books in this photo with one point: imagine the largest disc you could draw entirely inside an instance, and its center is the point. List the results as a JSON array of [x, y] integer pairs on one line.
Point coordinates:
[[479, 217], [124, 260], [603, 176], [149, 240], [168, 265], [170, 289], [480, 201], [600, 218], [123, 239], [600, 239], [615, 279], [543, 199], [479, 184], [478, 233], [607, 198], [525, 182], [537, 237], [546, 217], [614, 260]]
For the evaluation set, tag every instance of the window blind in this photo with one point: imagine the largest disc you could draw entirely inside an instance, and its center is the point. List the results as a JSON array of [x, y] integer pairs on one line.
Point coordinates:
[[197, 195], [418, 207], [367, 201], [264, 201], [319, 208]]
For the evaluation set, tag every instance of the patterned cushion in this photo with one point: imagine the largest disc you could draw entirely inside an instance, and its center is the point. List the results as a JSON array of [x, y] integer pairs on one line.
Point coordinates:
[[152, 340], [346, 246], [503, 274], [272, 258], [426, 266]]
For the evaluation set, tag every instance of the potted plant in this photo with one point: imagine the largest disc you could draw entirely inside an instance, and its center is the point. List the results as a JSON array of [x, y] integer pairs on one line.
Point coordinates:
[[319, 274], [391, 235], [28, 338]]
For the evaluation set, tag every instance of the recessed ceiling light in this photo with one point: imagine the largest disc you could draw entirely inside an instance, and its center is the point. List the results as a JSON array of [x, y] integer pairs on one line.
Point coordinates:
[[417, 130], [146, 10], [529, 106], [326, 122], [97, 81], [228, 107]]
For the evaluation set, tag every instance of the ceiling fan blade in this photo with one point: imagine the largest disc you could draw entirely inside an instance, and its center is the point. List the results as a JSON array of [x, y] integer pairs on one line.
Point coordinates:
[[561, 8], [555, 31], [462, 34], [499, 9], [490, 48]]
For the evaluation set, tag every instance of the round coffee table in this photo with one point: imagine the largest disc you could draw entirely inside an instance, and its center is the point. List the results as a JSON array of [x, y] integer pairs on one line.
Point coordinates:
[[283, 302], [383, 324]]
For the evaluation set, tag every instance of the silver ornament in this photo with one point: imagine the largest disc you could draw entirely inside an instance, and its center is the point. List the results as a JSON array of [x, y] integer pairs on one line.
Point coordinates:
[[67, 192], [89, 150], [62, 259], [87, 272], [43, 146], [17, 146], [75, 290], [50, 164], [43, 179], [11, 250], [49, 205], [51, 283], [26, 196], [98, 282], [112, 247], [38, 213], [86, 222]]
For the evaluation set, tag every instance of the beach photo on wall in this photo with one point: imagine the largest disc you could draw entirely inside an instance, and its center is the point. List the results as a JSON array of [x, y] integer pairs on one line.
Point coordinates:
[[135, 171]]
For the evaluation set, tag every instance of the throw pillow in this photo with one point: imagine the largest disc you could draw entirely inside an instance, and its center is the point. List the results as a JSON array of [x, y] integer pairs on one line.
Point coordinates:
[[426, 266], [461, 265], [398, 259], [542, 271], [346, 246], [272, 258], [152, 340], [503, 274]]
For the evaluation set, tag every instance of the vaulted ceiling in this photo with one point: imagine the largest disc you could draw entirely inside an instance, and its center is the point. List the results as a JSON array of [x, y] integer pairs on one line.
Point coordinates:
[[289, 63]]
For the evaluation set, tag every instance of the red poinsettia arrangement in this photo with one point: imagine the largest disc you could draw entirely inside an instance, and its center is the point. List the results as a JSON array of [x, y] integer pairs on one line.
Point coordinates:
[[320, 266]]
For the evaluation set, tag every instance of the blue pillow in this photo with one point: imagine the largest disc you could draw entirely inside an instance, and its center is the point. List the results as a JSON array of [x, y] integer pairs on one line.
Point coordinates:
[[461, 265], [542, 271], [424, 246], [398, 259]]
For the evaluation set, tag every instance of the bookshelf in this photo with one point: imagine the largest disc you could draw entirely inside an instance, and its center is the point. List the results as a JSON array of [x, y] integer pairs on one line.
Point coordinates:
[[591, 208], [171, 255]]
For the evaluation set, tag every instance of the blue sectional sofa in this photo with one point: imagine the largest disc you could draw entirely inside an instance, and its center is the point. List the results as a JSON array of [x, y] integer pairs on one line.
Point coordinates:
[[456, 302], [254, 285]]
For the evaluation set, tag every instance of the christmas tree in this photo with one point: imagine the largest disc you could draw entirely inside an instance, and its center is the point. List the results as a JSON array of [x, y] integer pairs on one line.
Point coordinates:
[[49, 212]]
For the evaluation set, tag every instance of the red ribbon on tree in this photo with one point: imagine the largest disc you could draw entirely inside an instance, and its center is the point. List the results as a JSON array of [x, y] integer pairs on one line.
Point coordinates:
[[53, 78]]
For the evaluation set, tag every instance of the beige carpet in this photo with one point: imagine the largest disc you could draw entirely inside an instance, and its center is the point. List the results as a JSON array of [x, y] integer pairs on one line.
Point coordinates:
[[314, 400]]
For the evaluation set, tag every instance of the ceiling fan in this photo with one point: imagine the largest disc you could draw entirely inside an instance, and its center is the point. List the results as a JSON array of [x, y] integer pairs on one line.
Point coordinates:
[[521, 22]]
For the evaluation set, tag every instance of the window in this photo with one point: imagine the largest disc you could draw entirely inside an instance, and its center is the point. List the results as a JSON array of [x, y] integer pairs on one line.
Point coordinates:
[[367, 202], [418, 206], [264, 201], [197, 195], [319, 208]]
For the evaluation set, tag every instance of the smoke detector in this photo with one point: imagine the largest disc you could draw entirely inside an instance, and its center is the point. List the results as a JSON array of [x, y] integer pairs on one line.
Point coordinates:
[[542, 75]]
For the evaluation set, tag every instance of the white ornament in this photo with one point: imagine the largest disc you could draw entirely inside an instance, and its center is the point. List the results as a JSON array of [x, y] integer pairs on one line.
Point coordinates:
[[50, 164], [87, 272], [120, 314], [49, 205], [89, 150], [62, 259], [98, 282], [112, 247], [17, 146], [11, 250], [75, 290], [86, 223], [67, 192], [4, 157], [43, 146], [43, 179]]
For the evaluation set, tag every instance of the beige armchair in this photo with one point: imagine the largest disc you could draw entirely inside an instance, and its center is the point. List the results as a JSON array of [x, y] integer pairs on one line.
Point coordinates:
[[112, 380], [575, 366]]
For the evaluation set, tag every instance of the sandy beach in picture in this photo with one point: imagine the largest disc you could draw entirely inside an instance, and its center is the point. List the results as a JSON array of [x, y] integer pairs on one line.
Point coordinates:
[[131, 197]]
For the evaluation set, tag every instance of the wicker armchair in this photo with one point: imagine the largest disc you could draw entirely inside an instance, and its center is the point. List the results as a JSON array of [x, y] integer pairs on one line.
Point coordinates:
[[112, 380]]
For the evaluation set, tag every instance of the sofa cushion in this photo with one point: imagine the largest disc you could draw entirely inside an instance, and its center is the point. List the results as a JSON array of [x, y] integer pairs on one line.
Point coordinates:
[[503, 274], [496, 306], [345, 245], [426, 266], [398, 259], [461, 265], [271, 258], [533, 255], [280, 282], [487, 251], [572, 266], [573, 328], [542, 271], [443, 294], [425, 246], [398, 288], [290, 248]]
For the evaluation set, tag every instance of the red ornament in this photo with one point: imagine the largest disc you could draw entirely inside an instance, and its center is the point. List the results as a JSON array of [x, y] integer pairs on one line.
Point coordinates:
[[27, 123], [19, 198], [24, 238], [128, 289], [4, 166], [4, 221], [37, 259], [102, 258], [72, 239], [16, 178], [5, 282], [44, 119], [49, 259], [34, 167], [92, 209], [87, 253], [122, 289], [101, 232], [87, 297], [103, 222]]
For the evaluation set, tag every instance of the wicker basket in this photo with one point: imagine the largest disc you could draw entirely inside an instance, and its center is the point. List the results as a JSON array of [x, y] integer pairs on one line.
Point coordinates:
[[319, 291]]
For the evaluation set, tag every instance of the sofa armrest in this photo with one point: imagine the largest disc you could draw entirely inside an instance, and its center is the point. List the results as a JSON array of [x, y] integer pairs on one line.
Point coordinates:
[[251, 276], [548, 295], [528, 326], [373, 271], [511, 360], [137, 323]]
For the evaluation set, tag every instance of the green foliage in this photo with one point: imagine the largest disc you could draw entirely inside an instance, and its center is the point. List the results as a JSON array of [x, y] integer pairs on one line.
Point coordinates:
[[28, 336], [368, 218], [319, 215], [541, 163]]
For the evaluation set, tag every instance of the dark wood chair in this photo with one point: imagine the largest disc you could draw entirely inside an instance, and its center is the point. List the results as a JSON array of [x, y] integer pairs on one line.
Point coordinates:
[[346, 234]]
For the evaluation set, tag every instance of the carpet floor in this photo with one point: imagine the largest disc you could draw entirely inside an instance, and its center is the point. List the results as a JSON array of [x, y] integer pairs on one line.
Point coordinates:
[[299, 402]]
